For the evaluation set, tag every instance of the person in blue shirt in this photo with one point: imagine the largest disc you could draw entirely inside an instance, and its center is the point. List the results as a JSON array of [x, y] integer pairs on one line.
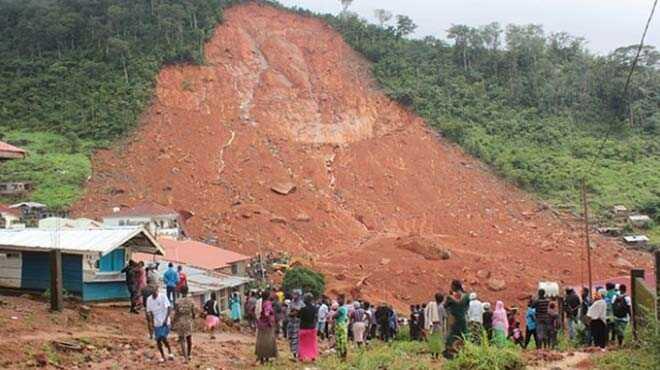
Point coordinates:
[[530, 319], [171, 279]]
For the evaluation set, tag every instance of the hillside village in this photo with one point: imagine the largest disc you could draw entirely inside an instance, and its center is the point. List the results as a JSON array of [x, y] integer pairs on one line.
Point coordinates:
[[287, 170]]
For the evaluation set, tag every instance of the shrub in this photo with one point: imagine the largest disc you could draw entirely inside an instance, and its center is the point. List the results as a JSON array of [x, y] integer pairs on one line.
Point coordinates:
[[486, 357], [305, 279]]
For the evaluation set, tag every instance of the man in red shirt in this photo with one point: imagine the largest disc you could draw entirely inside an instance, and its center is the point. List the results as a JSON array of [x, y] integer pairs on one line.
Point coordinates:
[[183, 280]]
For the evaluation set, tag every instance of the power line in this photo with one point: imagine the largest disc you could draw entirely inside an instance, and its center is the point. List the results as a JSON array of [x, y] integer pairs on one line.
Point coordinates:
[[626, 86]]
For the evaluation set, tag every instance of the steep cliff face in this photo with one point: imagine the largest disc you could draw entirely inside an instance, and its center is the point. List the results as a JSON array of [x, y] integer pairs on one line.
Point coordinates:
[[380, 199]]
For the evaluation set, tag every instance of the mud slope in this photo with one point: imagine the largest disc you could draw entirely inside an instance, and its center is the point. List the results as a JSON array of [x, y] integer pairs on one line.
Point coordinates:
[[284, 99]]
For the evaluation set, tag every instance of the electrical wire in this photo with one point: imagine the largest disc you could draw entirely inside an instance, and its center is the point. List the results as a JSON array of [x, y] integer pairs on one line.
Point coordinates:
[[625, 88]]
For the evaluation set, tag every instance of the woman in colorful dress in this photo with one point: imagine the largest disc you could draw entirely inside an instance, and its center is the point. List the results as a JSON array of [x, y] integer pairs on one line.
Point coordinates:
[[457, 304], [212, 310], [500, 324], [341, 329], [293, 325], [235, 306], [266, 347], [307, 346], [184, 314]]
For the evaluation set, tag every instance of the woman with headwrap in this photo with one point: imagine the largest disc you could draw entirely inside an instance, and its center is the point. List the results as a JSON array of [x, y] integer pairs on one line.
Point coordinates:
[[307, 347], [293, 327], [456, 304], [266, 346], [500, 323]]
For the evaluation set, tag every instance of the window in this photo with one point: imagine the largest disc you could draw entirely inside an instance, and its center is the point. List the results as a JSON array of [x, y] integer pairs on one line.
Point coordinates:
[[112, 262], [235, 270], [122, 223]]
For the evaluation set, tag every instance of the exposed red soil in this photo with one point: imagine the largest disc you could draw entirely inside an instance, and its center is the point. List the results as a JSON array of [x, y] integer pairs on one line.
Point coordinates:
[[284, 99], [111, 338]]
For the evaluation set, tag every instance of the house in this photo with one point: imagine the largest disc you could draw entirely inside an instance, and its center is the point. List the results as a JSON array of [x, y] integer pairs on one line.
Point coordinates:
[[8, 151], [639, 220], [208, 257], [66, 223], [619, 210], [202, 282], [92, 259], [9, 217], [15, 188], [32, 212], [157, 219], [636, 239]]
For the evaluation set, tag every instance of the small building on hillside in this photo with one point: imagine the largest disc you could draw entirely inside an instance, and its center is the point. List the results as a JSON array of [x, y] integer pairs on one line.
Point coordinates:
[[15, 188], [639, 220], [157, 219], [92, 260], [208, 257], [8, 151], [32, 212], [9, 217], [636, 239]]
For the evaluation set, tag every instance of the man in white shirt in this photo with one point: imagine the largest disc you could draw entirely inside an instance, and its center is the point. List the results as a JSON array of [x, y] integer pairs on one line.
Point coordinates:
[[475, 317], [322, 316], [159, 311]]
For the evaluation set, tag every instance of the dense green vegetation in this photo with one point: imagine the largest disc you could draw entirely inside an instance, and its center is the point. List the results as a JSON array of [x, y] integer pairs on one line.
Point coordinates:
[[640, 354], [305, 279], [535, 106], [78, 73]]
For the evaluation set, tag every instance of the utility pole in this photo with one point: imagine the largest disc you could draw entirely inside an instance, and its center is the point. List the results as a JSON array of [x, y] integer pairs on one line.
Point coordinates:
[[56, 285], [586, 232]]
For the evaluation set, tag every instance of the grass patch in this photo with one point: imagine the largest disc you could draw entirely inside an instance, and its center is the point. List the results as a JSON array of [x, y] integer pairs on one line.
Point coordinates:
[[486, 356]]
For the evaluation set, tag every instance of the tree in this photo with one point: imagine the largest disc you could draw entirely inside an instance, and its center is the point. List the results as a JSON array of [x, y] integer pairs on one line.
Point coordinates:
[[305, 279], [383, 16], [404, 25], [345, 4]]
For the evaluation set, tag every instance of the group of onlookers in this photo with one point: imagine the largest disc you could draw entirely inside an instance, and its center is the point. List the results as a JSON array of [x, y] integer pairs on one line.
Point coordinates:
[[303, 319], [603, 316]]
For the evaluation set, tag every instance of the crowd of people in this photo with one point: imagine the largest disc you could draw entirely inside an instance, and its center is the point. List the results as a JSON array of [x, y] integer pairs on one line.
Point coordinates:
[[444, 322]]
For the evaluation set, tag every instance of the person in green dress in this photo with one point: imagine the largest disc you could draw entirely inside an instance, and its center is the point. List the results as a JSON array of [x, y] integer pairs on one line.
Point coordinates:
[[341, 329], [456, 303]]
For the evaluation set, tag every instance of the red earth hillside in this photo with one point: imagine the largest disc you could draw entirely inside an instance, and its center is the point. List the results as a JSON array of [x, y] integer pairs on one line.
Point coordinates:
[[379, 198]]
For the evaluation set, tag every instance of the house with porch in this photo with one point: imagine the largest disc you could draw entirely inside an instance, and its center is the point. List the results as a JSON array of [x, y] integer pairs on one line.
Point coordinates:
[[92, 259], [157, 219]]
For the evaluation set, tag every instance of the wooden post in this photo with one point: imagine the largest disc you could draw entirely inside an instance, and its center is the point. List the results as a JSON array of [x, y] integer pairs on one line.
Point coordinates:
[[634, 274], [657, 285], [56, 284], [586, 233]]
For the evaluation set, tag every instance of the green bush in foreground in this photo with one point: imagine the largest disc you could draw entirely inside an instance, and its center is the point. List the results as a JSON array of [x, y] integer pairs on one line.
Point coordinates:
[[643, 354], [305, 279], [486, 356]]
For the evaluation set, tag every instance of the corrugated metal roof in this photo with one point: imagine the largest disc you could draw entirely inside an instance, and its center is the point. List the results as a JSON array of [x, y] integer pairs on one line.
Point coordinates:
[[102, 241], [202, 281]]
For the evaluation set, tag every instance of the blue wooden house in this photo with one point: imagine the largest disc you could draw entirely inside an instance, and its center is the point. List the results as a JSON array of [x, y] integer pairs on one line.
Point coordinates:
[[92, 259]]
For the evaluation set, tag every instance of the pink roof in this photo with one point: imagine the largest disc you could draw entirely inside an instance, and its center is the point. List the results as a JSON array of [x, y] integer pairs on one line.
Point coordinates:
[[10, 151], [144, 209], [194, 253], [12, 211]]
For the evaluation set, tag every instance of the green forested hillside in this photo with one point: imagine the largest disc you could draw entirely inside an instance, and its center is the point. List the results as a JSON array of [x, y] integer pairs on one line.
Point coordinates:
[[76, 74], [535, 106]]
